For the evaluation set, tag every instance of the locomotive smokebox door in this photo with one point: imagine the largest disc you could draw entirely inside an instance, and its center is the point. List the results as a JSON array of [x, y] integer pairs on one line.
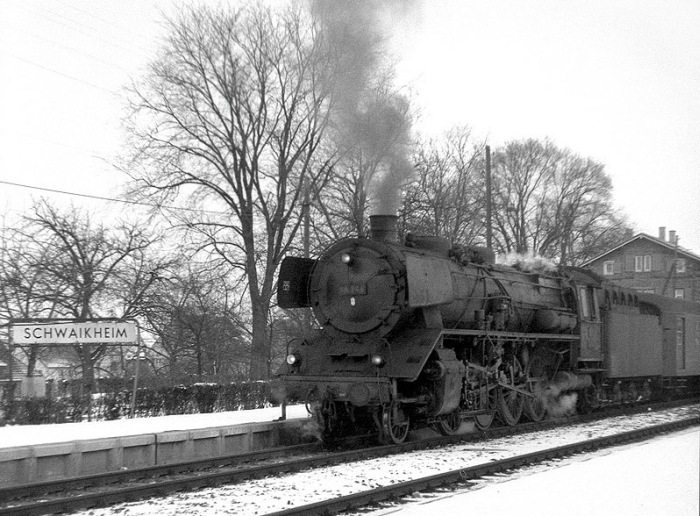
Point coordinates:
[[293, 284]]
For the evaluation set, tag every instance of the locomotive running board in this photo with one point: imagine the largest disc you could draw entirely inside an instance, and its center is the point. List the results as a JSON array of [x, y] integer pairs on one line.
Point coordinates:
[[512, 335]]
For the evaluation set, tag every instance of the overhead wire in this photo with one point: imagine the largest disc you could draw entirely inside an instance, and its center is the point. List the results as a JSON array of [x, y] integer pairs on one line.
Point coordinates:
[[110, 23], [57, 18], [91, 32], [67, 76], [74, 25], [109, 199], [73, 50]]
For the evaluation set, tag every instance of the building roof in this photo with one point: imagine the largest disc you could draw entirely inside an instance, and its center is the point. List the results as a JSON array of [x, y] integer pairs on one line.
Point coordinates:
[[643, 236]]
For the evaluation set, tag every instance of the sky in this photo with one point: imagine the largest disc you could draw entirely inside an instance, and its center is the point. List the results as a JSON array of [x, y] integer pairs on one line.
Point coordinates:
[[616, 81]]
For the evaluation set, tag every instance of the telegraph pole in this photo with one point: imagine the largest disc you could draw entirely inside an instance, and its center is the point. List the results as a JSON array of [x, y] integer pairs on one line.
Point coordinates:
[[306, 209], [489, 230]]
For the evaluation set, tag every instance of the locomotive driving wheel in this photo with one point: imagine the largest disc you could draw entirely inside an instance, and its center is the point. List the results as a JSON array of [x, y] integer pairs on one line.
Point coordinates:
[[510, 401], [450, 423], [487, 402], [536, 375], [396, 423], [329, 416]]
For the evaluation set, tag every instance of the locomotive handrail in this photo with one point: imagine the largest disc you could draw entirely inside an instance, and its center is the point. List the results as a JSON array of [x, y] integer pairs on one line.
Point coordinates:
[[512, 335]]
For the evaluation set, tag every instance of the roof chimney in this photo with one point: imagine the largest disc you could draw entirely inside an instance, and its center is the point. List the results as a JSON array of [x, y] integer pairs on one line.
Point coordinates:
[[662, 233], [671, 237]]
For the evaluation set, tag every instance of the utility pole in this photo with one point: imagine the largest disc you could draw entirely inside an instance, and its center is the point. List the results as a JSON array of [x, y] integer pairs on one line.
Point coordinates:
[[489, 230], [306, 209]]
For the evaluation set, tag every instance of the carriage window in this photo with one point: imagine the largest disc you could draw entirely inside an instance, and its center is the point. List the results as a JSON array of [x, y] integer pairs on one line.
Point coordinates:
[[679, 293], [595, 306], [680, 342], [584, 300]]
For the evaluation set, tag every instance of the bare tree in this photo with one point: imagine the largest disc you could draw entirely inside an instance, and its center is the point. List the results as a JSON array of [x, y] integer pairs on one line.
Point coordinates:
[[232, 115], [68, 267], [552, 202], [579, 207], [522, 171], [195, 317], [447, 198], [22, 285]]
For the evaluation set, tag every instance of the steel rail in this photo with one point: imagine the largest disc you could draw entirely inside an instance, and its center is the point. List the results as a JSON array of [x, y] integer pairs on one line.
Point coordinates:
[[155, 485], [380, 494]]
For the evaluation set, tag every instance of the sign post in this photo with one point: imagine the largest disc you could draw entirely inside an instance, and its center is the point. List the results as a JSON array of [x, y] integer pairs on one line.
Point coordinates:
[[136, 373]]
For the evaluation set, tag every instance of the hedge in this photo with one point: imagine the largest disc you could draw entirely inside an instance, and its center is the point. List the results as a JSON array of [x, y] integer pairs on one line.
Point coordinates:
[[198, 398]]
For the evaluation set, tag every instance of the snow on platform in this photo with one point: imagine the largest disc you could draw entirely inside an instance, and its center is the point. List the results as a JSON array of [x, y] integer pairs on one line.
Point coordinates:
[[660, 477], [29, 435]]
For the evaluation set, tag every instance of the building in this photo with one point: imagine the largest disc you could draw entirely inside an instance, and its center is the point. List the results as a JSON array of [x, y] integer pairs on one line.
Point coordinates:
[[652, 265]]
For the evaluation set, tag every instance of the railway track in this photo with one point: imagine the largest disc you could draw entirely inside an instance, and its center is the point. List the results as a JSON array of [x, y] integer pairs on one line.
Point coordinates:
[[86, 492], [428, 483]]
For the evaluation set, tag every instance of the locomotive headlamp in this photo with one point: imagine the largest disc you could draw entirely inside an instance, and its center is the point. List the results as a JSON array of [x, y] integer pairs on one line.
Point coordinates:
[[293, 359], [378, 360], [346, 258]]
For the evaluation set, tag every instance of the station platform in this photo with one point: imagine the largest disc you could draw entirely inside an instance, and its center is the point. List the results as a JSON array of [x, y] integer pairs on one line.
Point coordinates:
[[37, 453]]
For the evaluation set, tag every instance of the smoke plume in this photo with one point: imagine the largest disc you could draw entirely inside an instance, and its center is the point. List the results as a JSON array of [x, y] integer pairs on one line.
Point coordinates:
[[529, 262], [372, 120]]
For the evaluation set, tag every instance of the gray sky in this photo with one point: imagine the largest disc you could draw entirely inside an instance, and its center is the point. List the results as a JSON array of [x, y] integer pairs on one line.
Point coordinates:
[[617, 81]]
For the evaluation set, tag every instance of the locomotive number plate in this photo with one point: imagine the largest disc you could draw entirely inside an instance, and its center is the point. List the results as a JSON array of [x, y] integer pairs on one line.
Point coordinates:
[[353, 289]]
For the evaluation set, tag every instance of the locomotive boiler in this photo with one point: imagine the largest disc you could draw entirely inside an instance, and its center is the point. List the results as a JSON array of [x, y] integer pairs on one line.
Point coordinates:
[[426, 333]]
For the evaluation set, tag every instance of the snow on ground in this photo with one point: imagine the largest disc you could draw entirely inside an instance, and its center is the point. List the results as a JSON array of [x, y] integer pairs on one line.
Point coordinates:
[[28, 435], [276, 493], [658, 477]]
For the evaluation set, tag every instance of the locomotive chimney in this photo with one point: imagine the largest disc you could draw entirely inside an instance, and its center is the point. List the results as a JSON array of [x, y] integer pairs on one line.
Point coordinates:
[[662, 233], [383, 228]]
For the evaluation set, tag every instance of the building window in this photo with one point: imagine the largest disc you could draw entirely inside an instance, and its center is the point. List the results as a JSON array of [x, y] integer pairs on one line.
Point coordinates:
[[609, 268], [679, 293], [680, 265], [642, 263]]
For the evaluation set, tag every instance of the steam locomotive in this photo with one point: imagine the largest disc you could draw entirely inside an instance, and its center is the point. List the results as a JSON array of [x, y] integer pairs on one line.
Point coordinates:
[[426, 333]]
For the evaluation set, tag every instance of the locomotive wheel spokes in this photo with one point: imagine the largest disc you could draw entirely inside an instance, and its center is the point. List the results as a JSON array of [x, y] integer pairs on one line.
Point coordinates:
[[329, 413], [396, 423], [534, 407], [450, 423], [488, 403], [510, 402], [483, 422]]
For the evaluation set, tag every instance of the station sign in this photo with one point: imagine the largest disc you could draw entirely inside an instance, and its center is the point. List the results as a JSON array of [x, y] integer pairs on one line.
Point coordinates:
[[103, 332]]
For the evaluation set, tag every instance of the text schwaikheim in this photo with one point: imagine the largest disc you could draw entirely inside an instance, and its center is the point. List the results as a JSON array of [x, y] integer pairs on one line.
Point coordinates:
[[69, 333]]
